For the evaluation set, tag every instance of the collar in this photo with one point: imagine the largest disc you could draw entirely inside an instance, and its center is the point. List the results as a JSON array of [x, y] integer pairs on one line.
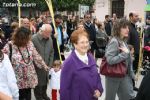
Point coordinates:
[[80, 64], [79, 55], [133, 25], [83, 58], [39, 36], [88, 24]]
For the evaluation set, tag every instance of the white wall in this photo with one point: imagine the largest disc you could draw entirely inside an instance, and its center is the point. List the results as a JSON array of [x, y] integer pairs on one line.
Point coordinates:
[[135, 5], [102, 9]]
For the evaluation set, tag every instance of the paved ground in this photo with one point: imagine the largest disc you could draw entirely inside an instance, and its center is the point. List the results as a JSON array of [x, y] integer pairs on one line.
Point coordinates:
[[103, 83]]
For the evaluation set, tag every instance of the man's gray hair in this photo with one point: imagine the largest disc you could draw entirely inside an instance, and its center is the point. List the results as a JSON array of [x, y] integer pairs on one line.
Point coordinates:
[[44, 26]]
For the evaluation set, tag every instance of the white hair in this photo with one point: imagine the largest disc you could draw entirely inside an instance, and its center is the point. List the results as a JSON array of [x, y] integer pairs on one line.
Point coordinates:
[[45, 26], [5, 20]]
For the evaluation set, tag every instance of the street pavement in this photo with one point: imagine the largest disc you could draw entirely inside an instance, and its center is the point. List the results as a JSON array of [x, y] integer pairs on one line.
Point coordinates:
[[102, 79]]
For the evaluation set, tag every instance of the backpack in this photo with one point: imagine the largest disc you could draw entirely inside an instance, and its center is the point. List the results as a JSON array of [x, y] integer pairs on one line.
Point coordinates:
[[101, 39], [101, 42]]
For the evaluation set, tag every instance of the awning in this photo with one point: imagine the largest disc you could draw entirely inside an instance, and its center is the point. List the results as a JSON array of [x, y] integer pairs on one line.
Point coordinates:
[[147, 7]]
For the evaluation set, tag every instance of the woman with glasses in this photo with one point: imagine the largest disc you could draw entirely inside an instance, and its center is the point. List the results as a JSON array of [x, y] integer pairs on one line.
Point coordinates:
[[79, 78]]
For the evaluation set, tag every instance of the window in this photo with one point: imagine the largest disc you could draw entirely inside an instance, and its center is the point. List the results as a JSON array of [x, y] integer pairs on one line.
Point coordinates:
[[118, 8]]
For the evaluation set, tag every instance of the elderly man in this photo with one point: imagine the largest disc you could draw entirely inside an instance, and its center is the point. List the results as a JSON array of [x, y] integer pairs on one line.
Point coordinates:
[[44, 45]]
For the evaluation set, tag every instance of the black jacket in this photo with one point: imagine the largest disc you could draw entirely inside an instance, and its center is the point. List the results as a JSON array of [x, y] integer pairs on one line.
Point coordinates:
[[70, 27], [90, 29], [133, 38], [144, 90], [61, 47], [7, 30], [108, 27]]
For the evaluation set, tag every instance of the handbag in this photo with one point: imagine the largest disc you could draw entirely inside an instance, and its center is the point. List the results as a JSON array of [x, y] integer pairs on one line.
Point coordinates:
[[116, 70]]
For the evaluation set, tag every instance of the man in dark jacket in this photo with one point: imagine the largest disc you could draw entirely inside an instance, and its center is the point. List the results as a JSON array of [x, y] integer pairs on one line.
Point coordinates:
[[6, 28], [71, 25], [108, 25], [90, 28], [58, 38], [134, 39]]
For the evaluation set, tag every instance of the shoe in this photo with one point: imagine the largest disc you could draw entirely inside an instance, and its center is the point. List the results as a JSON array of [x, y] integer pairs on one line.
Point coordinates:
[[46, 98]]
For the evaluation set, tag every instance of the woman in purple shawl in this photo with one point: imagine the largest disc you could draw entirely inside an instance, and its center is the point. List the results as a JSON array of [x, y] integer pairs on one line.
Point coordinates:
[[79, 78]]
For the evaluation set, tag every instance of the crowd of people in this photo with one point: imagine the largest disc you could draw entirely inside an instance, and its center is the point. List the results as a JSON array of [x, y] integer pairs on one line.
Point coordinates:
[[30, 57]]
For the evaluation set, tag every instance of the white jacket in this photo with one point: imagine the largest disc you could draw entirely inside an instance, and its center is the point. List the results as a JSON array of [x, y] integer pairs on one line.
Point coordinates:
[[8, 82]]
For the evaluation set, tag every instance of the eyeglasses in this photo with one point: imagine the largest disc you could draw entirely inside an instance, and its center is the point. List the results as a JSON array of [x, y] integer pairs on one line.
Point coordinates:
[[84, 42]]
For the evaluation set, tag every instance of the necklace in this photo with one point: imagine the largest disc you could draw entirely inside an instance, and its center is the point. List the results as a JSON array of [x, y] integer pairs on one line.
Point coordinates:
[[1, 58], [28, 61]]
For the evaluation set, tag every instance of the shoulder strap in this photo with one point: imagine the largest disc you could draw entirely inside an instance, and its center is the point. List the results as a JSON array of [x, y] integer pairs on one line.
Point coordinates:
[[10, 49], [111, 39]]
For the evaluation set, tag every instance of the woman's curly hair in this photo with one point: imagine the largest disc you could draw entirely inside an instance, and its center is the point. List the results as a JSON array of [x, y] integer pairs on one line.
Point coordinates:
[[118, 24], [21, 37]]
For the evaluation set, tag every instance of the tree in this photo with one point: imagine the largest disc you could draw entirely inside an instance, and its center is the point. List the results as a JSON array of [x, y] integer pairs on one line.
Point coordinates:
[[60, 5], [71, 5]]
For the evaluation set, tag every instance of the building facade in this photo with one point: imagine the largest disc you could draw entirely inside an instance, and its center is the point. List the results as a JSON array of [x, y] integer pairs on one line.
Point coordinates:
[[122, 8]]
